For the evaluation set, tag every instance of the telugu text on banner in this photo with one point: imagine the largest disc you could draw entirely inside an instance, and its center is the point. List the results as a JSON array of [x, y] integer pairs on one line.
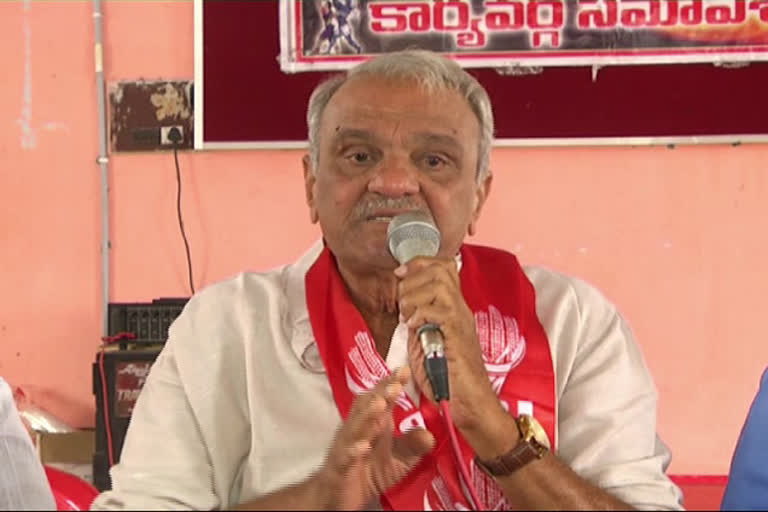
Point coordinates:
[[336, 34]]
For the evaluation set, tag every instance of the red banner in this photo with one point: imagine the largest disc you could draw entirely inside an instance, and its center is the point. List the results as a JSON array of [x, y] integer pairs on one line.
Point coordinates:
[[336, 34]]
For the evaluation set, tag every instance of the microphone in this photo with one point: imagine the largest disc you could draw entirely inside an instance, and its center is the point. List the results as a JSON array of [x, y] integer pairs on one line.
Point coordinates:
[[410, 235]]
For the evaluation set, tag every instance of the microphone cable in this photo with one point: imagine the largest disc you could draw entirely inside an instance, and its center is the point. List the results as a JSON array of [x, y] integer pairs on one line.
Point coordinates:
[[409, 235], [463, 470], [436, 368]]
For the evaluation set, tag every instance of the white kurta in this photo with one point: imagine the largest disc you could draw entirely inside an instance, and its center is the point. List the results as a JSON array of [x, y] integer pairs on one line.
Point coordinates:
[[237, 405], [23, 484]]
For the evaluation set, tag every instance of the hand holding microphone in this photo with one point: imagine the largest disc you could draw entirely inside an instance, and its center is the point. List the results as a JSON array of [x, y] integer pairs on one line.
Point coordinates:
[[410, 235], [431, 301], [429, 295]]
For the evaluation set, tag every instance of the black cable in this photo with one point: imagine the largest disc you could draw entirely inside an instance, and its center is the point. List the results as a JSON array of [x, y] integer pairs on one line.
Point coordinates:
[[181, 222]]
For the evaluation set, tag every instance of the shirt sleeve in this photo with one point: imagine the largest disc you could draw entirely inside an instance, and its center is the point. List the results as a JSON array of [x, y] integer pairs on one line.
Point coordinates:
[[23, 484], [607, 407], [747, 487], [164, 463]]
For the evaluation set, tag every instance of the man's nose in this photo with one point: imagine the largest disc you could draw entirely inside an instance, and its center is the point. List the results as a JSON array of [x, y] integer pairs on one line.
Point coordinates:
[[395, 177]]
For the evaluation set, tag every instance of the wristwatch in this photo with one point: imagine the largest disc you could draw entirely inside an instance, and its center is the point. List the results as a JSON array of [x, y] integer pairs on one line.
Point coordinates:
[[534, 444]]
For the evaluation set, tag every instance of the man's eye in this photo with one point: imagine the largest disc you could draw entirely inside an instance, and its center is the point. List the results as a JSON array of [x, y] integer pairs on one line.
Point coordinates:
[[360, 157], [434, 161]]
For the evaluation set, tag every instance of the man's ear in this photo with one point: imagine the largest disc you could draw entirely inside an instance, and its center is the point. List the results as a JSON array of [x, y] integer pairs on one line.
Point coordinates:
[[481, 194], [309, 187]]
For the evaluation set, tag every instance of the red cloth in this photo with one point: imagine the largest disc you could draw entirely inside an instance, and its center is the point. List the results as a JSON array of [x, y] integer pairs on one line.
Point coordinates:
[[515, 349], [69, 491]]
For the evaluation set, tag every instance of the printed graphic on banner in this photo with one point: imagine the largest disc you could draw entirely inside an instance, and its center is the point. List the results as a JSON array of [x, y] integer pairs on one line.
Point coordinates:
[[129, 379], [336, 34]]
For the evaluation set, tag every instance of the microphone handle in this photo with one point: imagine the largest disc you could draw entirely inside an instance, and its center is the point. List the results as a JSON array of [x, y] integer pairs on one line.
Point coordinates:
[[435, 365]]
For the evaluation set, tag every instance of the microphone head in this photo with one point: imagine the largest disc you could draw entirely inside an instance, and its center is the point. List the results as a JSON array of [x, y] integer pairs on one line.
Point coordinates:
[[412, 234]]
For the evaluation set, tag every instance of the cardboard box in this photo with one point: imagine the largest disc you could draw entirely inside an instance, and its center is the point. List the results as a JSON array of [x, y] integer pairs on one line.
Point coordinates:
[[68, 451], [66, 447]]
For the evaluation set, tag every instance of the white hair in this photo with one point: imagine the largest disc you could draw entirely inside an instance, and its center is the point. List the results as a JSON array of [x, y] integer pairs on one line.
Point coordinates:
[[432, 72]]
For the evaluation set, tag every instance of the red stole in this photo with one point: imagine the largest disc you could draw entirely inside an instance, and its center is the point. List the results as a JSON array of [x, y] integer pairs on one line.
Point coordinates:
[[515, 349]]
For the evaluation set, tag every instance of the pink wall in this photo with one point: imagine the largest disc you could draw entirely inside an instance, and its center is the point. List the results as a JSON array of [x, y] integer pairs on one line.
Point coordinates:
[[675, 237]]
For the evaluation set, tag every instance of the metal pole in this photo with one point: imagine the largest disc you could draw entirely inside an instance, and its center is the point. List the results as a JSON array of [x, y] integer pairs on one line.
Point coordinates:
[[103, 161]]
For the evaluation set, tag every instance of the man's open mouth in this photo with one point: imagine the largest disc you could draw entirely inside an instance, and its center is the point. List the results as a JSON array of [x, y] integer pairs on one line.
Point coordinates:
[[385, 216]]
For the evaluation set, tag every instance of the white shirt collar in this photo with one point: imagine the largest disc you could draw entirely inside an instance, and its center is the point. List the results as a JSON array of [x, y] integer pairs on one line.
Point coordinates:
[[300, 329]]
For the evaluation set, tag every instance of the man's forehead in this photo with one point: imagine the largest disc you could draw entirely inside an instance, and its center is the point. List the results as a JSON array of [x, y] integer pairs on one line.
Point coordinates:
[[432, 134], [361, 87], [368, 104]]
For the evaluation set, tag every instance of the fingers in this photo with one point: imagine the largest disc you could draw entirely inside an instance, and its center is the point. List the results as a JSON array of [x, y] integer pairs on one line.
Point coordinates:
[[369, 409], [434, 285], [435, 304], [369, 416], [425, 307], [416, 362], [422, 270]]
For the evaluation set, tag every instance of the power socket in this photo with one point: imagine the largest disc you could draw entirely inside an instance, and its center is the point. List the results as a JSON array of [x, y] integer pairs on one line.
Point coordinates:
[[165, 140], [143, 114]]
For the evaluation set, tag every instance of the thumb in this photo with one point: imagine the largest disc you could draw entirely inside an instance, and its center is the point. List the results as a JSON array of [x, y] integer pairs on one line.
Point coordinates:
[[412, 446]]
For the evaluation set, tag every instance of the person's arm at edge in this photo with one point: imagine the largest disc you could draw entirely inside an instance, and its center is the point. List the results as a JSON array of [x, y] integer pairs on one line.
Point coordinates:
[[748, 476], [22, 478]]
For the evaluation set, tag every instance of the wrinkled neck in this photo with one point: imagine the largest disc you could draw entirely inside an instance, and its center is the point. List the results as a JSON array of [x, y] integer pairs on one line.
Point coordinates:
[[374, 294]]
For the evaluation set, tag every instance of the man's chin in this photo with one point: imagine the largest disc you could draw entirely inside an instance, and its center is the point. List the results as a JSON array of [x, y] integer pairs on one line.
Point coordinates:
[[379, 256]]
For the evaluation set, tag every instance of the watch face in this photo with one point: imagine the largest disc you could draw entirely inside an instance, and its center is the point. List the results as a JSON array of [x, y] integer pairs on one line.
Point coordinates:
[[531, 428]]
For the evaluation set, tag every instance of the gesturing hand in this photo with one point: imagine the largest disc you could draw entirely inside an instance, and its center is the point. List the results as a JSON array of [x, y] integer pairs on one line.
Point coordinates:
[[365, 458]]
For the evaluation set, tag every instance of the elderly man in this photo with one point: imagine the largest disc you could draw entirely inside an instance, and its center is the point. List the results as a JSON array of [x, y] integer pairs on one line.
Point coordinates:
[[304, 387]]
